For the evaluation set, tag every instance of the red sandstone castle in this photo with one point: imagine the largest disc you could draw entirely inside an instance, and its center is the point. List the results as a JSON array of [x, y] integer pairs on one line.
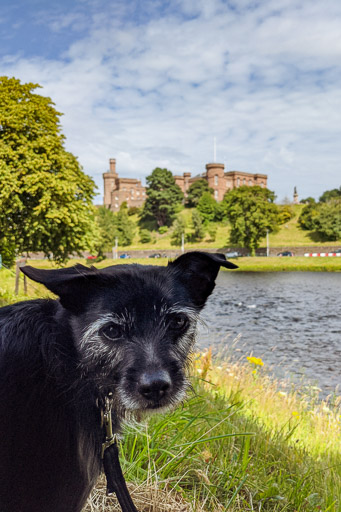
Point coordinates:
[[117, 190]]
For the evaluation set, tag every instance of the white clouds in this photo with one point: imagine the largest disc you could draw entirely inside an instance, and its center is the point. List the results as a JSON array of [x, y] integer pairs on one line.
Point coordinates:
[[263, 79]]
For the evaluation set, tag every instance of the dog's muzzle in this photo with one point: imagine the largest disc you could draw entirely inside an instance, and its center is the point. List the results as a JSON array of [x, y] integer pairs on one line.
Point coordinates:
[[154, 386]]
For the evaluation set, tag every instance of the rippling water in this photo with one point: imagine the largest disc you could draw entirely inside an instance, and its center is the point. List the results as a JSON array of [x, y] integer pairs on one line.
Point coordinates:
[[292, 320]]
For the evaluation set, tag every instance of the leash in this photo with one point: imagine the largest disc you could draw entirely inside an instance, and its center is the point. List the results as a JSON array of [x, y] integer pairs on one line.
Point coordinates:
[[111, 462]]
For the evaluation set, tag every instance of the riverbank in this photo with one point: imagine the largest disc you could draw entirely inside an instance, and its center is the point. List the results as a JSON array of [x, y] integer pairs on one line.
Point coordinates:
[[241, 442]]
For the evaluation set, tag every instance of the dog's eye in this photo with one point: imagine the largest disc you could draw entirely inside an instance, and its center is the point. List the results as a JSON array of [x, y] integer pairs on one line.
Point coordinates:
[[178, 322], [112, 331]]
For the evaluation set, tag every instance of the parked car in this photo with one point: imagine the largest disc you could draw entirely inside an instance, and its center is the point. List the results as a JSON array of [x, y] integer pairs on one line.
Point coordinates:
[[91, 257], [286, 253], [124, 255], [233, 254], [155, 255], [338, 251]]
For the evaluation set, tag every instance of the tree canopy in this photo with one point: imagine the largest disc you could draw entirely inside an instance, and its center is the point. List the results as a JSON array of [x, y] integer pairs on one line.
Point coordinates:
[[251, 212], [163, 197], [195, 192], [207, 206], [330, 194], [323, 218], [114, 225], [45, 198]]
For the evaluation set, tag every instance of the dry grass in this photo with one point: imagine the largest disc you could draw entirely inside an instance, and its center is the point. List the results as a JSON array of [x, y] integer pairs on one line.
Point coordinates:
[[147, 497]]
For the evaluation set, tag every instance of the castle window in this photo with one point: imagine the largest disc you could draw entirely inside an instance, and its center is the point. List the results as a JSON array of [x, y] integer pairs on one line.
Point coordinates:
[[238, 182], [216, 194], [116, 198], [244, 181], [250, 183], [216, 179]]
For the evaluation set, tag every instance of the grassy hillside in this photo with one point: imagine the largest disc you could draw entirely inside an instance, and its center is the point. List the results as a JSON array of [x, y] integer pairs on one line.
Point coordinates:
[[289, 235]]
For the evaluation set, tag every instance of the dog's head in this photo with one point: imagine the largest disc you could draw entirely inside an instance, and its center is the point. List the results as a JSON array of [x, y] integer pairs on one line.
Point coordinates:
[[134, 325]]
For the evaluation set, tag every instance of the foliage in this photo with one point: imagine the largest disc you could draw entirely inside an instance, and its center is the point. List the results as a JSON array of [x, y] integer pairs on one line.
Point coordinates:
[[207, 207], [323, 218], [134, 210], [45, 198], [328, 222], [198, 227], [105, 219], [330, 194], [112, 225], [195, 192], [163, 229], [308, 200], [163, 197], [178, 231], [308, 216], [286, 213], [212, 231], [7, 250], [125, 228], [145, 236], [251, 212]]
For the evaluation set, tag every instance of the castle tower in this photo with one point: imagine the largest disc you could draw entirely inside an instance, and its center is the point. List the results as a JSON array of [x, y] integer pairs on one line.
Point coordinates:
[[216, 180], [109, 182]]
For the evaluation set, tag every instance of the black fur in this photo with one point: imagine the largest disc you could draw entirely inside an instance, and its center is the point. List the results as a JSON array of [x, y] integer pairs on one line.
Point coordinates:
[[128, 329]]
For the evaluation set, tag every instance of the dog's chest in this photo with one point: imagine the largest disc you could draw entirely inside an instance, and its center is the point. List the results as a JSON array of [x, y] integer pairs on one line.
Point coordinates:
[[53, 450]]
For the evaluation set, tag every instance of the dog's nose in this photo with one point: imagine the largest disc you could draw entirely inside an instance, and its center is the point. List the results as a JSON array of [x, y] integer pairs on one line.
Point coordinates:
[[154, 385]]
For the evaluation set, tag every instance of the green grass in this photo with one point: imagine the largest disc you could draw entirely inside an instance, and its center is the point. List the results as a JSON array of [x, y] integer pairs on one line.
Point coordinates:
[[242, 442], [256, 264], [289, 235]]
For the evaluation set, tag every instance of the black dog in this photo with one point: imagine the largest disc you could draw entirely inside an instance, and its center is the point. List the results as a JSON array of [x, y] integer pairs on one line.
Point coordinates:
[[125, 330]]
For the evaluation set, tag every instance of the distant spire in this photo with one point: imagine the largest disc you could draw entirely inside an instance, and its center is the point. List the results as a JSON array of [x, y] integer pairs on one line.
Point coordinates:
[[296, 201]]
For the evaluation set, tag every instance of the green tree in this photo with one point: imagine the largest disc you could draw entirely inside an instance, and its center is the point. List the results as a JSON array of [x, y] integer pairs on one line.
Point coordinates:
[[145, 236], [114, 225], [330, 194], [207, 207], [178, 231], [328, 223], [285, 213], [308, 200], [45, 198], [164, 197], [195, 192], [198, 227], [308, 216], [125, 228], [251, 212], [106, 222]]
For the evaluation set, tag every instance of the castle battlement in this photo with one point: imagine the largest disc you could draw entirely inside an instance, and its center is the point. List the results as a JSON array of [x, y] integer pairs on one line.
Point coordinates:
[[117, 190]]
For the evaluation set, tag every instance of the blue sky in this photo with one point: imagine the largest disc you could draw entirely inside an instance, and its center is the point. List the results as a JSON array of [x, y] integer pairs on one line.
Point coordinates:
[[151, 83]]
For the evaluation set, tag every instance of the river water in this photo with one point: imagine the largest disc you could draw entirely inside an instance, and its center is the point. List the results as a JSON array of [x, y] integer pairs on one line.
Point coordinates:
[[292, 320]]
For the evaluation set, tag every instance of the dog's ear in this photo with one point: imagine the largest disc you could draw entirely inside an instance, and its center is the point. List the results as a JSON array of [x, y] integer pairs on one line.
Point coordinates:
[[70, 284], [198, 271]]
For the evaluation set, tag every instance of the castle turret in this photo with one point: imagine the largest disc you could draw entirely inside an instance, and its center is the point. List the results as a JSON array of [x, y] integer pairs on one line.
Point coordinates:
[[109, 182], [215, 179]]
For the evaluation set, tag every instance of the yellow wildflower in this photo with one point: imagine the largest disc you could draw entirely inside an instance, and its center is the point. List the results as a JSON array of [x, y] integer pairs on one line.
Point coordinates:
[[255, 360]]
